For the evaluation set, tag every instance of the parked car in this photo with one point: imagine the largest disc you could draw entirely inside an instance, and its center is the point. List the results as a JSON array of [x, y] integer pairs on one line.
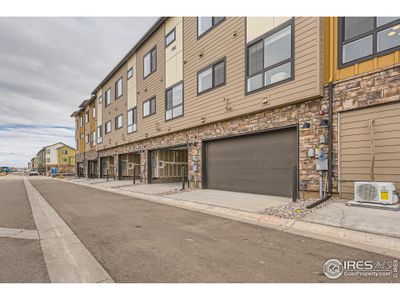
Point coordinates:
[[33, 173]]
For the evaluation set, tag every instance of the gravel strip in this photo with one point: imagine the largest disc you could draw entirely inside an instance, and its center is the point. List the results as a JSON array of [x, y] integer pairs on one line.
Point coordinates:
[[294, 210]]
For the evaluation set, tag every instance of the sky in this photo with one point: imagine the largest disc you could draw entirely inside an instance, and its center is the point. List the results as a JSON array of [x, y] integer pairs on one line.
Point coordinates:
[[48, 66]]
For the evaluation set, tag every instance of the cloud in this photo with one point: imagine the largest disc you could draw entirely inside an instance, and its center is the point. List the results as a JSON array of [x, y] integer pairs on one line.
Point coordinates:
[[48, 66]]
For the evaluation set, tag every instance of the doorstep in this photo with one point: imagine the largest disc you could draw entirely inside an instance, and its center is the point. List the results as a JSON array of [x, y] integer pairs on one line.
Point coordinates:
[[310, 227]]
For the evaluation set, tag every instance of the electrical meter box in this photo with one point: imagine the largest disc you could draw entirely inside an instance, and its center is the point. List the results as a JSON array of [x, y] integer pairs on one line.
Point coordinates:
[[322, 164]]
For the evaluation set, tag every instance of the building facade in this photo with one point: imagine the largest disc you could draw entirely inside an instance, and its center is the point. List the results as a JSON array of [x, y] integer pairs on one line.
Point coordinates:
[[56, 158], [266, 105]]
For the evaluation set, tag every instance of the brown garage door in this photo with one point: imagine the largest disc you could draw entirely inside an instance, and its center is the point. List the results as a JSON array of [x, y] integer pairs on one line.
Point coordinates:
[[259, 163], [355, 157]]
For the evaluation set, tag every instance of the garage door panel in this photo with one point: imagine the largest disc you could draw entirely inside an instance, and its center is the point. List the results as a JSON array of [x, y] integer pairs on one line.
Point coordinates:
[[355, 146], [259, 163]]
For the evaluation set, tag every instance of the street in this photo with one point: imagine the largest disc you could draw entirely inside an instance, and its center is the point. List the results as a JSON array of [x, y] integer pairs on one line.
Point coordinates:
[[136, 240]]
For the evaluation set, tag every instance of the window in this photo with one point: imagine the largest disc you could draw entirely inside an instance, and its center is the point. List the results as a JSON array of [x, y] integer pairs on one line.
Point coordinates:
[[130, 73], [100, 99], [118, 122], [211, 77], [81, 121], [118, 88], [269, 60], [108, 97], [87, 138], [132, 120], [204, 24], [48, 151], [87, 117], [150, 62], [65, 152], [170, 37], [94, 138], [65, 160], [94, 112], [108, 127], [361, 38], [149, 107], [174, 102], [99, 134]]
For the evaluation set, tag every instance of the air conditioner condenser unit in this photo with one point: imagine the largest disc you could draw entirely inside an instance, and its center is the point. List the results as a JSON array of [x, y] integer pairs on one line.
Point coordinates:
[[376, 192]]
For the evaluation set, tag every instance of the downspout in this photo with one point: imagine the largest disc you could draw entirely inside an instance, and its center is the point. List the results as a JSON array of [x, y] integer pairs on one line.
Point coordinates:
[[330, 117]]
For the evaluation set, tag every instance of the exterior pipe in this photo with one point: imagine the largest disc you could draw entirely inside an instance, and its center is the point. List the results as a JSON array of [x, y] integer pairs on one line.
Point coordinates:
[[330, 150]]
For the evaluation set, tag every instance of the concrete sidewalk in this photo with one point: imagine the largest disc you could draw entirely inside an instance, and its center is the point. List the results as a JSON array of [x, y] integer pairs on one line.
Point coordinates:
[[316, 227], [371, 220]]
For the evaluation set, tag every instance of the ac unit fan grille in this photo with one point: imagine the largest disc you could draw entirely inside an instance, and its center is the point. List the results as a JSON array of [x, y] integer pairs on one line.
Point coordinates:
[[367, 192]]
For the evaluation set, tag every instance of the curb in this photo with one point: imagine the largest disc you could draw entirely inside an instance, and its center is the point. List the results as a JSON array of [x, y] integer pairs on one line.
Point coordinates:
[[357, 239]]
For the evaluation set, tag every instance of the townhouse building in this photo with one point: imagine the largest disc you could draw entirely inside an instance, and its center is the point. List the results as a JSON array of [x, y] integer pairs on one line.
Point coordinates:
[[266, 105], [56, 158]]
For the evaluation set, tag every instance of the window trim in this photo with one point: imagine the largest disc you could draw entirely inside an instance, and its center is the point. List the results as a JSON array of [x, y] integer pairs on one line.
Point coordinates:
[[148, 100], [165, 39], [127, 119], [127, 73], [115, 122], [149, 53], [105, 98], [122, 88], [212, 65], [105, 127], [373, 32], [209, 29], [292, 77], [183, 101]]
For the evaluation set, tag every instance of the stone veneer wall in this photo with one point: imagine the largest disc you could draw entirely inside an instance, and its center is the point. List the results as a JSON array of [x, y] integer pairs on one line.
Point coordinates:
[[382, 86]]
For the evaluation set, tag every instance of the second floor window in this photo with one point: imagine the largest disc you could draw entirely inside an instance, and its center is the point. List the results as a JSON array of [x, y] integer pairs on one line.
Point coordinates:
[[87, 138], [65, 152], [150, 62], [108, 127], [361, 38], [94, 112], [132, 120], [100, 99], [204, 24], [118, 88], [94, 138], [211, 77], [174, 102], [108, 97], [87, 117], [118, 122], [81, 121], [99, 134], [269, 59], [149, 107]]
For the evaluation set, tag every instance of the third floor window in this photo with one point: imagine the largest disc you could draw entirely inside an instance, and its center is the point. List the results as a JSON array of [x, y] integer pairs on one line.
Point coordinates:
[[211, 77], [150, 62], [204, 24], [108, 97], [361, 38], [174, 102], [270, 59], [118, 88], [149, 107]]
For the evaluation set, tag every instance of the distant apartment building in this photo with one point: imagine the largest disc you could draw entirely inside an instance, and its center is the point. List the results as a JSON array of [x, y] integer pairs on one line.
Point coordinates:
[[262, 105], [56, 158], [33, 163]]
